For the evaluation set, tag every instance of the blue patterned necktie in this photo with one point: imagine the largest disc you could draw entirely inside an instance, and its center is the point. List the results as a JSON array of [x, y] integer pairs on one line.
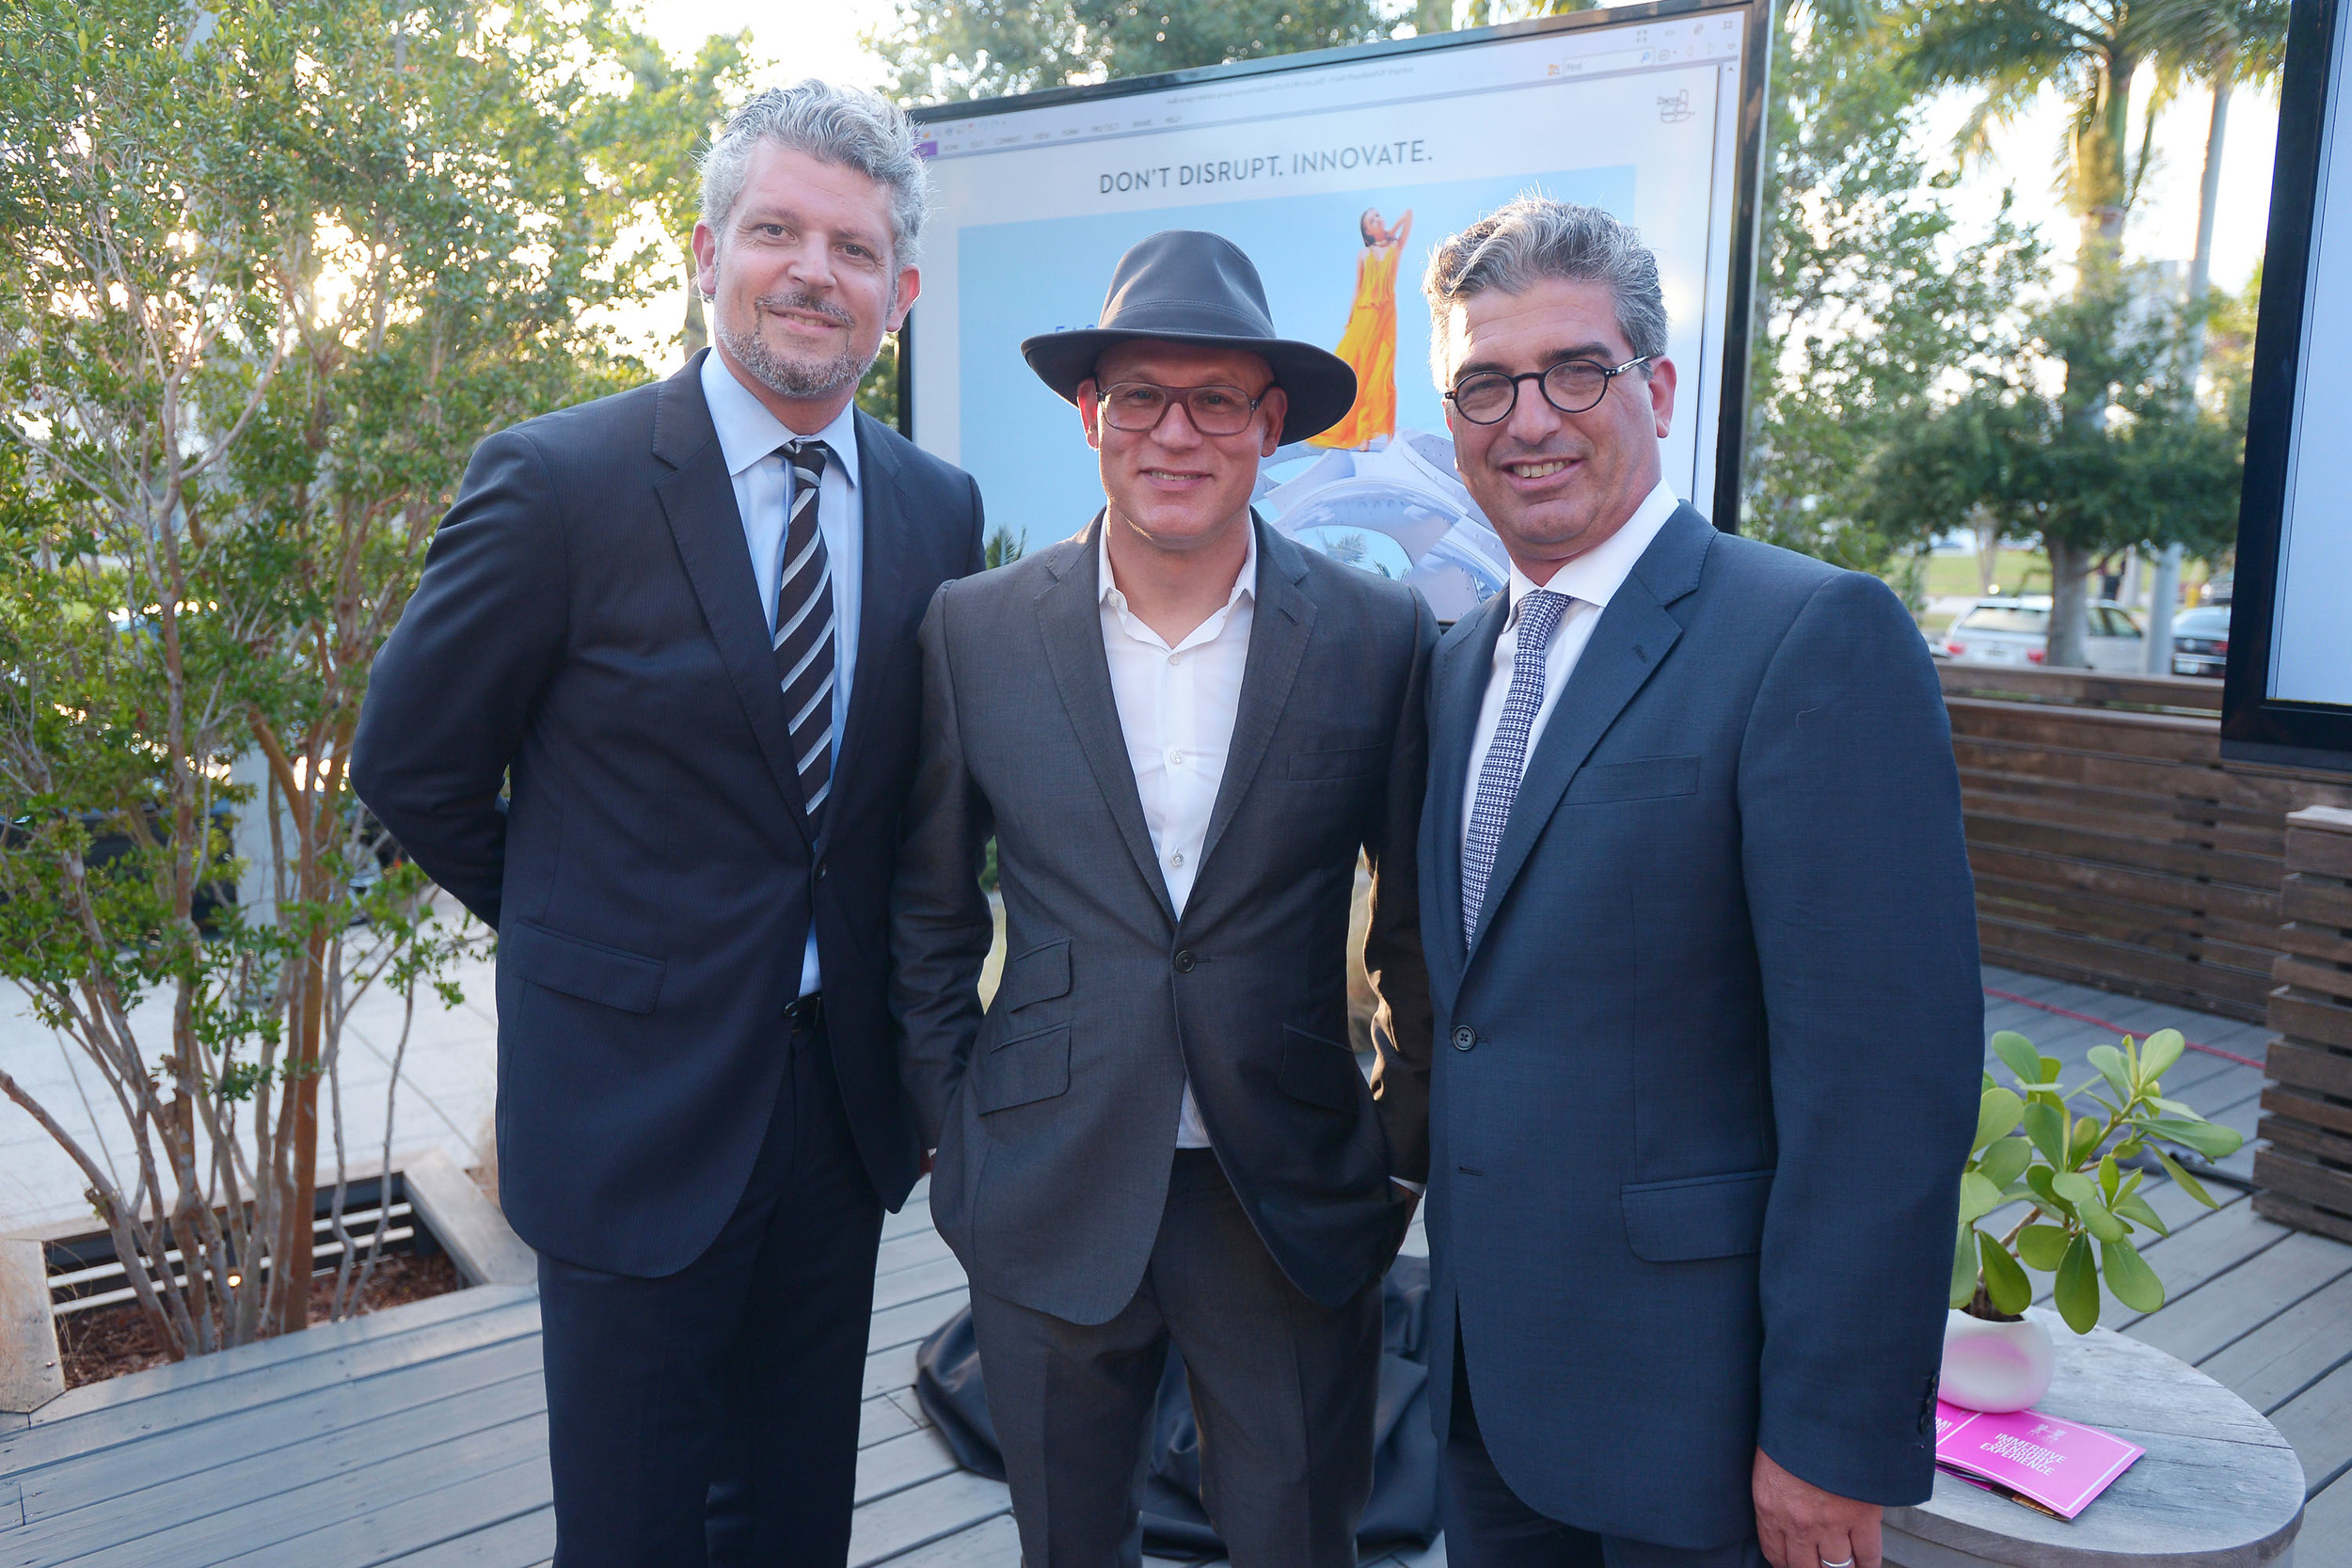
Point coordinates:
[[1538, 612], [804, 637]]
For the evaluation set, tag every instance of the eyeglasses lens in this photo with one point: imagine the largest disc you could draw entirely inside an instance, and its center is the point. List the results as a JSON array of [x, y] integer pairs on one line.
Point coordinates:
[[1138, 405], [1571, 386]]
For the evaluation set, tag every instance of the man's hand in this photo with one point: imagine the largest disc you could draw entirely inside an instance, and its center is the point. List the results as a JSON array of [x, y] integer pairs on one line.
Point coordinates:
[[1800, 1525]]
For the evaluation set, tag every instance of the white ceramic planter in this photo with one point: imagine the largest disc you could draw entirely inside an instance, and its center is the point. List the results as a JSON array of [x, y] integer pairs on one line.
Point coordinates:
[[1995, 1366]]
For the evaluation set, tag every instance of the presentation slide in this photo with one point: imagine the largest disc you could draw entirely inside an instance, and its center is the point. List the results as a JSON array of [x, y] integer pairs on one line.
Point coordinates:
[[2311, 645], [1337, 180]]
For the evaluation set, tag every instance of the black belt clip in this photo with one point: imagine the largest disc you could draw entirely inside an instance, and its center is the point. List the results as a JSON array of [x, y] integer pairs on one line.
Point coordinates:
[[807, 1014]]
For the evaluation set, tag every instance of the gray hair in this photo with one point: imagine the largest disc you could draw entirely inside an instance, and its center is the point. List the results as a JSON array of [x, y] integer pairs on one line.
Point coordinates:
[[1524, 242], [835, 125]]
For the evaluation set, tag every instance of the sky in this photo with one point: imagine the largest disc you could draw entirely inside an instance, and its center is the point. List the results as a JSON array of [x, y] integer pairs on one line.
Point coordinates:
[[819, 37]]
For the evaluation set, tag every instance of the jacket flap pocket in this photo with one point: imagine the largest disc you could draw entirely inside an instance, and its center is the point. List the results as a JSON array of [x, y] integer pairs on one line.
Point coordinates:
[[1705, 1216], [1319, 1071], [575, 967], [1039, 975], [1645, 779], [1337, 762], [1021, 1071]]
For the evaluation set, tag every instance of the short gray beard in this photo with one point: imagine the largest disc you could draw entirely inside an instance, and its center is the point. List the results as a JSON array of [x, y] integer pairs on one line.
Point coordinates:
[[789, 378]]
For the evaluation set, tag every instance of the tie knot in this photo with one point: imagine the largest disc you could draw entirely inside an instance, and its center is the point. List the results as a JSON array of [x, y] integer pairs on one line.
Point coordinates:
[[807, 456], [1540, 611]]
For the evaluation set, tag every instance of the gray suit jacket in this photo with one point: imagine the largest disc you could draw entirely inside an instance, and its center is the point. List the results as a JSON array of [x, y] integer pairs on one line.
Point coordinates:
[[1055, 1114]]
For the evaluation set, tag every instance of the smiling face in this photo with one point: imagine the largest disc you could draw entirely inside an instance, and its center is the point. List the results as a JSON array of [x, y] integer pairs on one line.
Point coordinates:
[[803, 282], [1172, 485], [1554, 484]]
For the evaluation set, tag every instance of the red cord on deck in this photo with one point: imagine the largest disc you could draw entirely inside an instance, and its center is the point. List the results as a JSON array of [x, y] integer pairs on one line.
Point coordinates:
[[2086, 1017]]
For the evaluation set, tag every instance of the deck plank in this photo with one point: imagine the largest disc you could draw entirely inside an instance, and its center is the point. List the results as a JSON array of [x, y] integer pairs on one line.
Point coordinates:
[[888, 1469], [2290, 1352], [922, 1515], [521, 1541], [993, 1544], [2202, 1320], [2318, 1421], [485, 1497], [2327, 1537], [912, 1323], [878, 1420], [914, 1284]]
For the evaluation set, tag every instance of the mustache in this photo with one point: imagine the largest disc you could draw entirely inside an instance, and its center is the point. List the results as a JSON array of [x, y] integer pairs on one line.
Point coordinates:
[[798, 299]]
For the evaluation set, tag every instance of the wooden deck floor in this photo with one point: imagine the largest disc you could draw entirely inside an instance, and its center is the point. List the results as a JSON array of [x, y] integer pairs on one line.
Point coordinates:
[[418, 1436]]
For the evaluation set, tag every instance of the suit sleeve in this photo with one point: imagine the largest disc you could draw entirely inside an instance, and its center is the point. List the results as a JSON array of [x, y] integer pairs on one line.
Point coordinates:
[[1403, 1023], [454, 689], [940, 923], [1863, 915], [978, 556]]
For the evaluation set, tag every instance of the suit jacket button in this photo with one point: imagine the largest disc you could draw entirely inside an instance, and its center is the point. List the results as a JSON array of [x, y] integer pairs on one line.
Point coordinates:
[[820, 871], [1183, 961], [1464, 1037]]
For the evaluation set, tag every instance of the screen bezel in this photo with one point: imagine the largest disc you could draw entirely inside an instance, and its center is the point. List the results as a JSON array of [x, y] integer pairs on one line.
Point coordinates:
[[2255, 726], [1740, 294]]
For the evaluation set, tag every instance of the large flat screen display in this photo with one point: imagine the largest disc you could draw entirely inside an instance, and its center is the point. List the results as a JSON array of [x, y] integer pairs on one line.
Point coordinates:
[[1337, 173], [2289, 692]]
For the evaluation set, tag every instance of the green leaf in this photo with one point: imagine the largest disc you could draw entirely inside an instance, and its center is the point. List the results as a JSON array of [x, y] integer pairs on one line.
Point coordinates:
[[2159, 1052], [2049, 1069], [2128, 1276], [2089, 1131], [1964, 1267], [2112, 1068], [2043, 1183], [2100, 1223], [1997, 1117], [2045, 1124], [2076, 1293], [2006, 1160], [2213, 1143], [2171, 1107], [2017, 1054], [2189, 1182], [1978, 1198], [2135, 1208], [2108, 1177], [2004, 1281], [2043, 1245], [2074, 1187]]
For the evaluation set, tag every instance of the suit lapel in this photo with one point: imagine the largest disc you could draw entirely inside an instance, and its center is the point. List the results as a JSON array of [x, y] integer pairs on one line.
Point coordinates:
[[882, 504], [1630, 641], [1280, 627], [1070, 619], [698, 498], [1457, 687]]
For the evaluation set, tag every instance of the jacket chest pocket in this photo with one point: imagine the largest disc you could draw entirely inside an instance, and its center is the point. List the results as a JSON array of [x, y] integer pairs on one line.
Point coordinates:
[[1643, 779]]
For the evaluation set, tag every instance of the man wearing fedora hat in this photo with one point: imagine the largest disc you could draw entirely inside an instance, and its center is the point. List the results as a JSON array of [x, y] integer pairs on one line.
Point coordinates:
[[1182, 729]]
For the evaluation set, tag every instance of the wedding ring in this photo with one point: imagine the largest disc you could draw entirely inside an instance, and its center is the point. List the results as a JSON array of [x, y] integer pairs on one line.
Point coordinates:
[[1827, 1563]]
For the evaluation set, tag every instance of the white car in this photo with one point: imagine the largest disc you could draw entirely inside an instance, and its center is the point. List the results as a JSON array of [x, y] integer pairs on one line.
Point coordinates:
[[2017, 631]]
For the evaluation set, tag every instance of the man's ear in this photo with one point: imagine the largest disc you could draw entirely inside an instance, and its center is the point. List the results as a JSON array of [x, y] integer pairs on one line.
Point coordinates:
[[1091, 413], [1661, 394], [910, 284], [706, 260], [1276, 406]]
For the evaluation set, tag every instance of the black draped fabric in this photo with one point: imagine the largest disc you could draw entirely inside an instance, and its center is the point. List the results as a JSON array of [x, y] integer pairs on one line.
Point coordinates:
[[1403, 1504]]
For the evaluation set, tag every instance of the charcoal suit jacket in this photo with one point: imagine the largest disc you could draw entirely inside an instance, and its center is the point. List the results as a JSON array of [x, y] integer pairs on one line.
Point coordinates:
[[1055, 1114], [1709, 1066], [587, 633]]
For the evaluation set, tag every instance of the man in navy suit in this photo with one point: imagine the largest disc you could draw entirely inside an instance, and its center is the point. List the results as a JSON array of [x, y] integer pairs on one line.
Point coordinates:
[[1702, 950], [678, 626]]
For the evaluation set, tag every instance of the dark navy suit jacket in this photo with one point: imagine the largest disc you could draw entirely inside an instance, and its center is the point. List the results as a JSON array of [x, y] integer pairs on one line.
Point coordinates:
[[588, 631], [1707, 1069]]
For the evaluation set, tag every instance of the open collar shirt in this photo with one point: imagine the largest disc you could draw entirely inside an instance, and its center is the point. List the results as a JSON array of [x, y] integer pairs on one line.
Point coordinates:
[[749, 439], [1177, 707]]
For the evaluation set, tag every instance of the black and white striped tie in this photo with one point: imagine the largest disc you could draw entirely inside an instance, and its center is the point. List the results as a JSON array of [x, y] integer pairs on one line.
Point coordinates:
[[804, 639]]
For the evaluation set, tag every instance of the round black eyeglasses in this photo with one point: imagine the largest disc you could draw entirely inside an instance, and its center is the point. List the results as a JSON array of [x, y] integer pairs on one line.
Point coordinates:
[[1572, 386], [1140, 405]]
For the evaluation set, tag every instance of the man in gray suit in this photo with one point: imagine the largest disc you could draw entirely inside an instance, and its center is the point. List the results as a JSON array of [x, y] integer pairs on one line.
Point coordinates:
[[1182, 729]]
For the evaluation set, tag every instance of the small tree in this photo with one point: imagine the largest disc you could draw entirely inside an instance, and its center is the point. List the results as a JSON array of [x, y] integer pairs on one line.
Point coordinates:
[[272, 271]]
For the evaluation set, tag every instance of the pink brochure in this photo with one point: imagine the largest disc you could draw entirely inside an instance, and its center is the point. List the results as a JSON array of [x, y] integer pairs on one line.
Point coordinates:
[[2040, 1461]]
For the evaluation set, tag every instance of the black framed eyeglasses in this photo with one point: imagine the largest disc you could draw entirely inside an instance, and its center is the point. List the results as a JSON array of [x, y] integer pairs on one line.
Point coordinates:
[[1140, 405], [1572, 386]]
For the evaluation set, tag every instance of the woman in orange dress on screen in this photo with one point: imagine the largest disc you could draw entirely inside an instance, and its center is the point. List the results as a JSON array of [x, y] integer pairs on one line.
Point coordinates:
[[1369, 344]]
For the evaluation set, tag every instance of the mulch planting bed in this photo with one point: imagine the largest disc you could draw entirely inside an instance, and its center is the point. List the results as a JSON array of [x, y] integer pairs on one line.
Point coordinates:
[[109, 1341]]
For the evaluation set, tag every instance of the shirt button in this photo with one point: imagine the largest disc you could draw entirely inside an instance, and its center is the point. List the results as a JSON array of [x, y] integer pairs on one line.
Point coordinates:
[[1464, 1037], [1175, 759], [1177, 859]]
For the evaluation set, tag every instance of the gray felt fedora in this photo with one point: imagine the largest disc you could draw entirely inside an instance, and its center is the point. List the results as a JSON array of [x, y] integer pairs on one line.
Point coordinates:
[[1182, 286]]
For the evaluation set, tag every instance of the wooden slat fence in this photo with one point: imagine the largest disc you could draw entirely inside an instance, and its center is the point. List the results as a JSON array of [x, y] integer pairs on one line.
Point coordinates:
[[2111, 844]]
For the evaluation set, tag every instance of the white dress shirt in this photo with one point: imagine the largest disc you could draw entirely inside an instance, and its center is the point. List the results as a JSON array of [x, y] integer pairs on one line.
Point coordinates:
[[1176, 708], [749, 435], [1590, 581]]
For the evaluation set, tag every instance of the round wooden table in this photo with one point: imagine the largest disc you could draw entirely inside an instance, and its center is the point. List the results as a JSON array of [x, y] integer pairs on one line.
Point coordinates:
[[2217, 1488]]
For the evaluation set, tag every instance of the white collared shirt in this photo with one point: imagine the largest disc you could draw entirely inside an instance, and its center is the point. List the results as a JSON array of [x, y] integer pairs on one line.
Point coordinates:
[[1176, 710], [749, 435], [1590, 581]]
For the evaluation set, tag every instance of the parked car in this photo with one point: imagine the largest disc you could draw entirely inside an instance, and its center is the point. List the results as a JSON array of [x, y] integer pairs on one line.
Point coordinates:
[[2217, 590], [2017, 631], [2200, 640]]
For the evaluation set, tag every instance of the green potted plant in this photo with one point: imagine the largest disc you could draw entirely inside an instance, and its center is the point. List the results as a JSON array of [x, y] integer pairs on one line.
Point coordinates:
[[2080, 1179]]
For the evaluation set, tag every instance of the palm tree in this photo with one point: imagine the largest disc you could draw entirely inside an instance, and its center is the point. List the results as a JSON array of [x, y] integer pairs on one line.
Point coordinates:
[[2090, 51]]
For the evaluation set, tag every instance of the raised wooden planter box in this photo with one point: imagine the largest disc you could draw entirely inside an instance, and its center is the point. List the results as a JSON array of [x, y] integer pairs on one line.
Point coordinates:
[[2113, 846], [2305, 1173]]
